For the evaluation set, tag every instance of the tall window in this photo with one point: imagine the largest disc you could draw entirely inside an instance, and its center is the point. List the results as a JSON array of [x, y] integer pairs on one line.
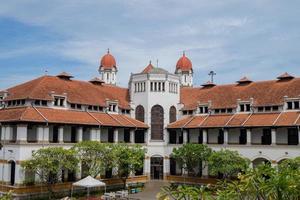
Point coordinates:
[[172, 114], [157, 122], [140, 113]]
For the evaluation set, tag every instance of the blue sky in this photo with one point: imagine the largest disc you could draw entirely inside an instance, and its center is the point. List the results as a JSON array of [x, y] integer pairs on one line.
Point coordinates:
[[258, 38]]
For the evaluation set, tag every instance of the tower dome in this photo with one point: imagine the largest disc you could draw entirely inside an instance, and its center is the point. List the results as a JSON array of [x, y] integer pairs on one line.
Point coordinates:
[[108, 61], [184, 64], [184, 69], [108, 69]]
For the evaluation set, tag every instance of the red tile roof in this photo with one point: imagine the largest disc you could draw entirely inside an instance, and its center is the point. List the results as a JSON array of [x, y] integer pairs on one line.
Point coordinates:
[[184, 63], [80, 92], [62, 116], [108, 61], [238, 120], [226, 96], [148, 69]]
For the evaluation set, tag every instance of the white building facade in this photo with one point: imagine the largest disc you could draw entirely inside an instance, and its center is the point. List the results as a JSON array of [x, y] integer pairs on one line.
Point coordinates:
[[159, 110]]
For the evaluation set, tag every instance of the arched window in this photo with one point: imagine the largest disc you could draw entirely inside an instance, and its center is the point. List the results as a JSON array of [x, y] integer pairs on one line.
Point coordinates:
[[157, 122], [140, 113], [172, 114]]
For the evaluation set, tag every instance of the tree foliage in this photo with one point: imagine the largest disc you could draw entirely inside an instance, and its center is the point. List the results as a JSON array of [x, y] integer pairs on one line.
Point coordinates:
[[96, 157], [128, 159], [189, 156], [48, 164], [227, 163]]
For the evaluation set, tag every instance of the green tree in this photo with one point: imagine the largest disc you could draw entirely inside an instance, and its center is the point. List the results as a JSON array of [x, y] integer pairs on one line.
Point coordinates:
[[128, 160], [189, 156], [184, 192], [226, 163], [96, 157], [48, 164], [265, 183]]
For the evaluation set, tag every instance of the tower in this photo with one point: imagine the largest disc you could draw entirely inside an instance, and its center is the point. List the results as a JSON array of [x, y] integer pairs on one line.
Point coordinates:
[[108, 69], [185, 70]]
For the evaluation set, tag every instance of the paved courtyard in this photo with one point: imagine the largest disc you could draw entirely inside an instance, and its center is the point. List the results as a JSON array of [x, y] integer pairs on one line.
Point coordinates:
[[150, 190]]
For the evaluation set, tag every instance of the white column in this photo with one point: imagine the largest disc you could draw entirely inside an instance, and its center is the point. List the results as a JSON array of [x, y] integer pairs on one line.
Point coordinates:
[[132, 136], [204, 132], [98, 134], [61, 134], [185, 135], [93, 134], [116, 135], [248, 136], [79, 134], [22, 133], [146, 136], [147, 166], [3, 133], [46, 134], [166, 166], [273, 136], [225, 136]]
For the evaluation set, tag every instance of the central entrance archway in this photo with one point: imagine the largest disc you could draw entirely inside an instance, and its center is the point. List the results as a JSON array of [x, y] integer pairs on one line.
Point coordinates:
[[157, 167]]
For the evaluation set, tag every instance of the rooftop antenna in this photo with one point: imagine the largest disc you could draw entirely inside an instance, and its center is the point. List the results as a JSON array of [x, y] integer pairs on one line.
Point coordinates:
[[212, 74], [157, 63]]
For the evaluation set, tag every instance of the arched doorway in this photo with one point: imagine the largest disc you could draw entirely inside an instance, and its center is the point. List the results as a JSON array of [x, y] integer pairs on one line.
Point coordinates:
[[157, 167], [258, 161], [140, 113], [12, 167], [157, 123]]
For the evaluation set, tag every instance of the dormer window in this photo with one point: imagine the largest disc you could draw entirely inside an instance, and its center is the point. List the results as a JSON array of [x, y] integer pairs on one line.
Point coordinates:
[[267, 108], [203, 109], [59, 101], [245, 107], [293, 104]]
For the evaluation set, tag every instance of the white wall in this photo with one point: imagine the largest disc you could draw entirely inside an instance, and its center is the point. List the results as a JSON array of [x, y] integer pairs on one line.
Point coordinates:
[[234, 136], [212, 136]]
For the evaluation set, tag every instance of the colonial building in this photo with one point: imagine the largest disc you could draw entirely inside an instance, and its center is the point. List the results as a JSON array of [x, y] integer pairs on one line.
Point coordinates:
[[159, 110]]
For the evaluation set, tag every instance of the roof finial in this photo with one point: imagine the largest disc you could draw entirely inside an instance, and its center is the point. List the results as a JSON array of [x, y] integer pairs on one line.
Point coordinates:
[[183, 53], [149, 62], [212, 74], [108, 50], [157, 63]]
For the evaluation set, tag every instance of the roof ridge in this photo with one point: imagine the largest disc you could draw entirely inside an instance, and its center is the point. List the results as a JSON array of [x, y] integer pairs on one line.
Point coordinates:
[[125, 117], [94, 117], [192, 118], [247, 119], [114, 119], [40, 113], [204, 120], [277, 118], [297, 119], [230, 119]]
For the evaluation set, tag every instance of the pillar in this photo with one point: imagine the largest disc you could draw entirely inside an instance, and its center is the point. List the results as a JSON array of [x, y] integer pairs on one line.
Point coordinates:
[[93, 134], [248, 136], [43, 133], [98, 134], [132, 136], [185, 136], [204, 132], [116, 135], [225, 136], [61, 134], [146, 136], [3, 133], [166, 167], [273, 136], [22, 133], [79, 134]]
